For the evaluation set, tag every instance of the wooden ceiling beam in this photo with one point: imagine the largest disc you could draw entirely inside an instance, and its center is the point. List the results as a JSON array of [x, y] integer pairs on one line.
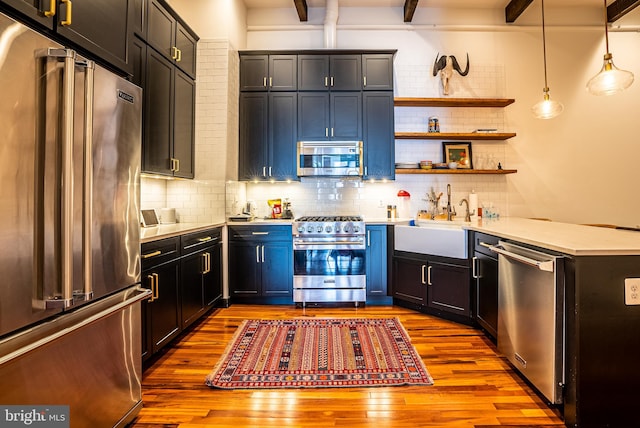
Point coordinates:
[[301, 7], [409, 9], [515, 8], [619, 8]]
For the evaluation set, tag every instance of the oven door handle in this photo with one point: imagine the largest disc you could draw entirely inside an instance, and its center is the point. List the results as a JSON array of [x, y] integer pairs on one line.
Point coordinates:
[[358, 242]]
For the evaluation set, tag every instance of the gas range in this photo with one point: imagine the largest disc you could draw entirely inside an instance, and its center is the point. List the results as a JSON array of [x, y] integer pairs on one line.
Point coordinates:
[[329, 226]]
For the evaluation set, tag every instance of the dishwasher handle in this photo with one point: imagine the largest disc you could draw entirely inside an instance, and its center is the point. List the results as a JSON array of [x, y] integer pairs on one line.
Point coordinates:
[[545, 265]]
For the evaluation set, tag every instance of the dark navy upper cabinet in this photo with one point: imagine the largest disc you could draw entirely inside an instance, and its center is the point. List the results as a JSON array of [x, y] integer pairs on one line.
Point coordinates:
[[268, 72], [377, 72], [378, 135], [330, 72]]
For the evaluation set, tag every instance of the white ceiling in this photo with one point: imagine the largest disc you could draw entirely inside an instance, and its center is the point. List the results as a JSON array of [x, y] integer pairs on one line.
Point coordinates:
[[632, 18]]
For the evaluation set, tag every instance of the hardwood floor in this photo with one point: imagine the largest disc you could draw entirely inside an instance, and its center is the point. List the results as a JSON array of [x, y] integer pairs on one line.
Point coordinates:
[[474, 387]]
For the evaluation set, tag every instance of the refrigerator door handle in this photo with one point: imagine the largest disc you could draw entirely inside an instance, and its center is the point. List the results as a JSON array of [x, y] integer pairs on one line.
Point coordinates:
[[87, 209], [65, 300]]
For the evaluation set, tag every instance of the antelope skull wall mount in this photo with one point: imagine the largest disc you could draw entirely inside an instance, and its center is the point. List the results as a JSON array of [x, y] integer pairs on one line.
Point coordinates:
[[445, 65]]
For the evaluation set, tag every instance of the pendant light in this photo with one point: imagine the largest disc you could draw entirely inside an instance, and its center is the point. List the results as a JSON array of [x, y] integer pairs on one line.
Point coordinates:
[[547, 108], [610, 79]]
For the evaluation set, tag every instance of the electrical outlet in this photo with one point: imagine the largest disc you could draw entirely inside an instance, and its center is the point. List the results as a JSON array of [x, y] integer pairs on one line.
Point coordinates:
[[632, 291]]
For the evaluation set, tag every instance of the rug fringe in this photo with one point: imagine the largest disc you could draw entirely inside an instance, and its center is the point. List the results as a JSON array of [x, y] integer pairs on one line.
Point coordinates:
[[227, 350]]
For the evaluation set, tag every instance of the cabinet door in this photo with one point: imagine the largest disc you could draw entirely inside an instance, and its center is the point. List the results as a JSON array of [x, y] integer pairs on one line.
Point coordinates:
[[192, 270], [277, 269], [313, 116], [253, 143], [377, 72], [165, 320], [254, 70], [186, 45], [313, 72], [487, 293], [158, 115], [138, 60], [161, 29], [283, 72], [376, 259], [99, 26], [345, 72], [212, 281], [183, 138], [139, 18], [346, 116], [409, 280], [34, 9], [378, 135], [283, 111], [244, 269], [449, 288]]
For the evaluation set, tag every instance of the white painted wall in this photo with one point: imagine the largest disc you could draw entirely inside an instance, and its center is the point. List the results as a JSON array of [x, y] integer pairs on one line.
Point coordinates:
[[577, 168], [215, 19]]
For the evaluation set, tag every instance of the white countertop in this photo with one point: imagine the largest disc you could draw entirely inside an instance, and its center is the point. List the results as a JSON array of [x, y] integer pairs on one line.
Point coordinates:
[[573, 239], [153, 233]]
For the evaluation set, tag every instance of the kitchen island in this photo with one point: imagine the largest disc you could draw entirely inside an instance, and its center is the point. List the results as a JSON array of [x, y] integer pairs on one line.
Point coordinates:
[[601, 314]]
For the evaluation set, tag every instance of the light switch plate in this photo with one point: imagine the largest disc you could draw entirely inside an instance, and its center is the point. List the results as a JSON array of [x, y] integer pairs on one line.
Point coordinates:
[[632, 291]]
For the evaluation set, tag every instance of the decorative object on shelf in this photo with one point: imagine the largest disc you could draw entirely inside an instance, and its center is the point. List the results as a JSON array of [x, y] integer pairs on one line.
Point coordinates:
[[426, 164], [547, 108], [434, 124], [610, 79], [458, 153], [445, 65]]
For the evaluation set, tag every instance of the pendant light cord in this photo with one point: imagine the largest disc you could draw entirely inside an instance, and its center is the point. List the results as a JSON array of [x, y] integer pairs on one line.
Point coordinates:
[[606, 27], [544, 50]]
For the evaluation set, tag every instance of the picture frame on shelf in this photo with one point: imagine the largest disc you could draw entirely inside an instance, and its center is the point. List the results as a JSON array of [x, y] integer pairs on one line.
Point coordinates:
[[457, 152]]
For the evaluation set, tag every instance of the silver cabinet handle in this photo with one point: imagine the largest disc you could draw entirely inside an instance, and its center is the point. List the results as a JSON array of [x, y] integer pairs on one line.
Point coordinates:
[[332, 81], [263, 254], [332, 132], [474, 270], [326, 132], [368, 238], [269, 171], [364, 81], [429, 275], [257, 253], [326, 81], [264, 171], [422, 275]]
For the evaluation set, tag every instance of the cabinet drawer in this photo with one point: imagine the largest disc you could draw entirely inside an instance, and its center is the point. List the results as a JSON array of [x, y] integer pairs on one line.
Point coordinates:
[[270, 233], [479, 238], [196, 241], [157, 252]]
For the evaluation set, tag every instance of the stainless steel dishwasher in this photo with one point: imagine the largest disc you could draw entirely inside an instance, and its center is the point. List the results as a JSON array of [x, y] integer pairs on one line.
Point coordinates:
[[531, 315]]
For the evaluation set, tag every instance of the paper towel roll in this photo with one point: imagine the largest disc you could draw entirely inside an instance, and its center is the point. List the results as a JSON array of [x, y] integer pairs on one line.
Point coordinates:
[[473, 203]]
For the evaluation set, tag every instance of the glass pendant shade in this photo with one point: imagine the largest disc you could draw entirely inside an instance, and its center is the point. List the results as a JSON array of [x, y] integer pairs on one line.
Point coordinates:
[[547, 108], [610, 79]]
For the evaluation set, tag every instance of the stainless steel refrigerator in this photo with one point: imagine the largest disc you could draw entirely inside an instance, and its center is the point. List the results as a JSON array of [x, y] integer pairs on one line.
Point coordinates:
[[70, 138]]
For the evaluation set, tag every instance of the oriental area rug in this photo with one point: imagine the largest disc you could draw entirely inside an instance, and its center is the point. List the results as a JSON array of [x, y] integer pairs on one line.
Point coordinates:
[[319, 353]]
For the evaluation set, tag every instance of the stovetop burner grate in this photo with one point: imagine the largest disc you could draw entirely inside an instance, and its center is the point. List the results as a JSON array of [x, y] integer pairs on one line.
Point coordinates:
[[330, 218]]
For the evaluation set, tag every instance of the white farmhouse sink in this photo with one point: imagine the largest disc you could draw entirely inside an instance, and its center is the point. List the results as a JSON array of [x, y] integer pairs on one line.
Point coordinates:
[[438, 238]]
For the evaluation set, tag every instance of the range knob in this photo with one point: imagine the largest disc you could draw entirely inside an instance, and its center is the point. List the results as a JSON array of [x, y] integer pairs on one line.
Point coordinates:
[[347, 228], [300, 229], [319, 229], [356, 229], [328, 229]]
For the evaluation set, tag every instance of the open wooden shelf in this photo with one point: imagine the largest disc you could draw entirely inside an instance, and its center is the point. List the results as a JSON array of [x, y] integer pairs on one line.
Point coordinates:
[[452, 102], [456, 171], [454, 135]]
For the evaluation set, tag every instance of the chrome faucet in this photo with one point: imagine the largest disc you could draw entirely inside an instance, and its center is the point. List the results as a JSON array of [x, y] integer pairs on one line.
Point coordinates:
[[450, 211], [467, 216]]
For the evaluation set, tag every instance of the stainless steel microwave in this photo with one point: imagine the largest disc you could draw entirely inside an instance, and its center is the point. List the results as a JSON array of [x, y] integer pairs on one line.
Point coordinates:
[[330, 158]]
